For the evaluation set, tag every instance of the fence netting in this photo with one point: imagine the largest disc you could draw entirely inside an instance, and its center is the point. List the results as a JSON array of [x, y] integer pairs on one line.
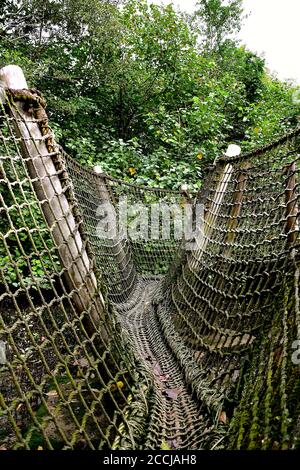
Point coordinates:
[[165, 341], [62, 384]]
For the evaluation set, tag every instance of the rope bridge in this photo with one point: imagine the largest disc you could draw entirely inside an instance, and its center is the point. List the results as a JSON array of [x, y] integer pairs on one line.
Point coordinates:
[[131, 342]]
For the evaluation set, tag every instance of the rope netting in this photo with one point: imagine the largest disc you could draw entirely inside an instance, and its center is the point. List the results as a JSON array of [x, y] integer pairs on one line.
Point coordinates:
[[142, 337], [146, 245], [67, 376], [231, 313]]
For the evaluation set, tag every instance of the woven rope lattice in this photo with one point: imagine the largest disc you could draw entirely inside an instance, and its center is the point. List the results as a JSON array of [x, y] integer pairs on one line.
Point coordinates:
[[194, 348], [61, 385]]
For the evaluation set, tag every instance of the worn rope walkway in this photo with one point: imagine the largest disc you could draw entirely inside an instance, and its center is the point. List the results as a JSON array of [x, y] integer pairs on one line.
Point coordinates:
[[175, 418]]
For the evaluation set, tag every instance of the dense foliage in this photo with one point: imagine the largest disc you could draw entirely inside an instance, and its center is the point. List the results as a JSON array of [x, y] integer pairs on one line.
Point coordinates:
[[151, 94]]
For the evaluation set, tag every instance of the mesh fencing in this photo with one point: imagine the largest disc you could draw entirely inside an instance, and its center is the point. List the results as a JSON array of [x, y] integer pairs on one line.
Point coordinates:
[[67, 377], [128, 256], [231, 314], [136, 341]]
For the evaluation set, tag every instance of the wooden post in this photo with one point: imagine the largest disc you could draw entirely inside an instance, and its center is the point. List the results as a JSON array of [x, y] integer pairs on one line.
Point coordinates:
[[291, 212], [127, 271], [81, 280], [211, 216], [237, 206]]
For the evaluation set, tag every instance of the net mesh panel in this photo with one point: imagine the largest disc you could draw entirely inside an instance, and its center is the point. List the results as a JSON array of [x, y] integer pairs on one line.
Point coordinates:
[[154, 245], [202, 344], [232, 313], [60, 385]]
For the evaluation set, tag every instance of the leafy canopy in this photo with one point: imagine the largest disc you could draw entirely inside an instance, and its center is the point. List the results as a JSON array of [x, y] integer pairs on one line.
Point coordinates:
[[149, 93]]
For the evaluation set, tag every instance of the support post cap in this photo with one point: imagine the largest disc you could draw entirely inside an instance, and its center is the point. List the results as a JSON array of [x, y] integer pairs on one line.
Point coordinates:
[[184, 187], [233, 151], [12, 76], [98, 169]]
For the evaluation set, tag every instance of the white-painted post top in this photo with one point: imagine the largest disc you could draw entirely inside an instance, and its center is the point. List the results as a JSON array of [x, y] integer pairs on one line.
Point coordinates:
[[233, 150], [12, 76], [184, 187], [98, 169]]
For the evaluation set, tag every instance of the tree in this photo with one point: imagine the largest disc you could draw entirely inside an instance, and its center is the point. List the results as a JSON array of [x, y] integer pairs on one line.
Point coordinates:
[[130, 87], [217, 20]]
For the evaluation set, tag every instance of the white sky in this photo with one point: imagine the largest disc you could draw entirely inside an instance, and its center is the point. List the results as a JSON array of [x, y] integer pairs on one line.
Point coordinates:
[[272, 30]]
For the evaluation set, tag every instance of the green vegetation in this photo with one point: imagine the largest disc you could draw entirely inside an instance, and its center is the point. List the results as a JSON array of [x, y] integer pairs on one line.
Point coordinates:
[[151, 94]]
